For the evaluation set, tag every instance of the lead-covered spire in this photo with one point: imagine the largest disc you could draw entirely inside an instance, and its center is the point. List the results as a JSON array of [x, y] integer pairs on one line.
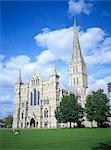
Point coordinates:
[[19, 77], [53, 70], [76, 45]]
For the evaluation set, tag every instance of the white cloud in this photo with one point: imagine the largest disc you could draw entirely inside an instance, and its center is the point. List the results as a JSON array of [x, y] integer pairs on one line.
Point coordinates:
[[6, 109], [103, 57], [102, 53], [95, 84], [2, 57], [94, 44], [91, 39], [9, 68], [4, 97], [45, 56], [57, 43], [80, 6], [16, 62]]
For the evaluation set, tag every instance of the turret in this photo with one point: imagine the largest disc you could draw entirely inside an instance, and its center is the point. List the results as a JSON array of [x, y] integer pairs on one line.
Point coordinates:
[[17, 102], [19, 82], [35, 78], [19, 78], [54, 76]]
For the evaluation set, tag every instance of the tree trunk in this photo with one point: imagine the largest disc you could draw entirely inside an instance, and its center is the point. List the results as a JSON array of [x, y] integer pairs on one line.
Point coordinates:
[[70, 124]]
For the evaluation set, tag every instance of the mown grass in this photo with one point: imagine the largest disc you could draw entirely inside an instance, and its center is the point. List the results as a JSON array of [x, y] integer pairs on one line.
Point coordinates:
[[57, 139]]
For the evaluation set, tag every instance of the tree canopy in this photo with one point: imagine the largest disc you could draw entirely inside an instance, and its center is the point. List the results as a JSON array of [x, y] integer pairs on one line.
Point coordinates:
[[9, 120], [69, 110], [97, 107]]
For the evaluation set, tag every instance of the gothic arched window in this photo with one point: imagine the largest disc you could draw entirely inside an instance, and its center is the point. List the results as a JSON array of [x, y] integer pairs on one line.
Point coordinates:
[[76, 69], [45, 124], [36, 82], [34, 96], [31, 98], [38, 97], [74, 81], [32, 82], [22, 115], [82, 68], [46, 113], [77, 81]]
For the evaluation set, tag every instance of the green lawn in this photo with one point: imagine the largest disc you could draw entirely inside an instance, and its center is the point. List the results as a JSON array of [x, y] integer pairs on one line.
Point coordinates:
[[57, 139]]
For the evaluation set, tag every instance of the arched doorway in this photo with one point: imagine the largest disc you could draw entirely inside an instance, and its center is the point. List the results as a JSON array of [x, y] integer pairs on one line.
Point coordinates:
[[28, 125], [36, 124], [45, 124], [32, 123]]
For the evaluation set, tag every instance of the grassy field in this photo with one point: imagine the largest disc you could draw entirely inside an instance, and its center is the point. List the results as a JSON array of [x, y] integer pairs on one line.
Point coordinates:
[[57, 139]]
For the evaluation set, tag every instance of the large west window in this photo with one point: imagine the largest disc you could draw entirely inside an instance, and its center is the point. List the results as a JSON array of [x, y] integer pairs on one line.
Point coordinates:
[[31, 98], [35, 96], [38, 97], [45, 113]]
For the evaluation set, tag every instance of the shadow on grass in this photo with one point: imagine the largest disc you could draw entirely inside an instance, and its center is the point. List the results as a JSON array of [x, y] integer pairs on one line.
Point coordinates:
[[102, 146]]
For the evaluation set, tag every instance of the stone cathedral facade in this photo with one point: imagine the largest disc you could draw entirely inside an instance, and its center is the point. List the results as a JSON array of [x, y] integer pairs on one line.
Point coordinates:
[[35, 103]]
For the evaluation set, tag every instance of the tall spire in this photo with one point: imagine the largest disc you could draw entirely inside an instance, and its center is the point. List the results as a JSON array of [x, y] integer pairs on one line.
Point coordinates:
[[53, 70], [76, 45], [35, 73], [19, 78]]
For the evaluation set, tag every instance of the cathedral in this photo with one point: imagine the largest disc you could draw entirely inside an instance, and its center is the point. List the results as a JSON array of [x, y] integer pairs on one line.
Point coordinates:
[[35, 103]]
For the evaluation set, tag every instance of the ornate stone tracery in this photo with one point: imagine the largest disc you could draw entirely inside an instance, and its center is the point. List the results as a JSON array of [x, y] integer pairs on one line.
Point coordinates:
[[41, 97]]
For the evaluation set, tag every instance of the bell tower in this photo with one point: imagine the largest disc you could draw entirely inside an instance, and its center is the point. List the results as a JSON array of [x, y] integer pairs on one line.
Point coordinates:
[[77, 69]]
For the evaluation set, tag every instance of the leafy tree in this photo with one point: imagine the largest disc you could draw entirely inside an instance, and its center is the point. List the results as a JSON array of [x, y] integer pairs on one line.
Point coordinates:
[[69, 110], [89, 109], [97, 107], [9, 120], [58, 115]]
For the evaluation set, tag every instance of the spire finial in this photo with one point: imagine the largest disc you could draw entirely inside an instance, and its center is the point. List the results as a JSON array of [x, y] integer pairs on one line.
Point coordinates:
[[74, 21], [35, 72], [20, 79], [53, 69]]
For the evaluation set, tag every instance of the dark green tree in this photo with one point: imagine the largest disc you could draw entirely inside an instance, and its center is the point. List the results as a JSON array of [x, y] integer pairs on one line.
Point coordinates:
[[97, 107], [58, 115], [9, 120], [69, 110], [89, 109]]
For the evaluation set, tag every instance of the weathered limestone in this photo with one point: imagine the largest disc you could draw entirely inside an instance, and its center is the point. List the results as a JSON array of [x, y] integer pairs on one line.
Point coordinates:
[[78, 74], [35, 103]]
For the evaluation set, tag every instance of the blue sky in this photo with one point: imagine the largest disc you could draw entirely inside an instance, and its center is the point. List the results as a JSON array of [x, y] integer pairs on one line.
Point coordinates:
[[21, 21], [38, 33]]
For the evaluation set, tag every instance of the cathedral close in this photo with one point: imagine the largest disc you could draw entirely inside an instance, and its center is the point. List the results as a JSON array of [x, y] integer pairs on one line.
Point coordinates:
[[35, 103]]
